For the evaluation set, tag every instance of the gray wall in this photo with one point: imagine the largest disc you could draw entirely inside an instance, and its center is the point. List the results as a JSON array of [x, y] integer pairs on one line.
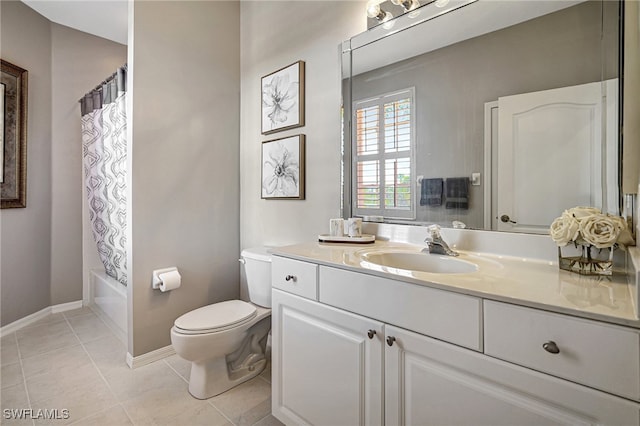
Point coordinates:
[[453, 84], [79, 62], [25, 267], [41, 262], [184, 160], [310, 31]]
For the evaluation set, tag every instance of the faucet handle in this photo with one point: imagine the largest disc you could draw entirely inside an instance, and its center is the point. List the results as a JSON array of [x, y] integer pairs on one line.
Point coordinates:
[[434, 231], [435, 242]]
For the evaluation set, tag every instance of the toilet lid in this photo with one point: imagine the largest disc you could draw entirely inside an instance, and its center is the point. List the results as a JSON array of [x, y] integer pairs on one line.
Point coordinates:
[[216, 316]]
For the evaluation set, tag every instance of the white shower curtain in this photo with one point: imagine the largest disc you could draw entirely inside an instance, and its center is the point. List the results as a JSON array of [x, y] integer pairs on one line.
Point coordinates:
[[104, 151]]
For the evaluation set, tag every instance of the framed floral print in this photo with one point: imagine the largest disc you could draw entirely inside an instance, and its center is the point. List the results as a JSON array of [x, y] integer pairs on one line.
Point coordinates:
[[13, 136], [283, 168], [283, 99]]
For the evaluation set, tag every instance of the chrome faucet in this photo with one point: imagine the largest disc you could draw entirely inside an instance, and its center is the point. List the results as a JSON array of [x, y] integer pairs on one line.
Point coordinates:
[[435, 243]]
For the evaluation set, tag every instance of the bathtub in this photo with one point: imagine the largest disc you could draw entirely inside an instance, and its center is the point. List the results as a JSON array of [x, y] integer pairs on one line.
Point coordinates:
[[109, 302]]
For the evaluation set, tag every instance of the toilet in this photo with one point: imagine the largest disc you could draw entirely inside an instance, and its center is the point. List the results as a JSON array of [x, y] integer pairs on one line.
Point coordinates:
[[226, 341]]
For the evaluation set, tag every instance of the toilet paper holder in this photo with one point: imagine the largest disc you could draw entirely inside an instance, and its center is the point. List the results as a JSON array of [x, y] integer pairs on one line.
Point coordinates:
[[155, 280]]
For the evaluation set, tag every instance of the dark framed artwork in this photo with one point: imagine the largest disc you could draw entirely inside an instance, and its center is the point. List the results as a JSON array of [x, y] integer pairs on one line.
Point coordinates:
[[13, 133], [283, 168], [283, 99]]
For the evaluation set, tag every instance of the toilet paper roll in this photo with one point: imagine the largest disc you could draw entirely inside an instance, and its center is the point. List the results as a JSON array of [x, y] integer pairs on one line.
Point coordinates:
[[170, 280]]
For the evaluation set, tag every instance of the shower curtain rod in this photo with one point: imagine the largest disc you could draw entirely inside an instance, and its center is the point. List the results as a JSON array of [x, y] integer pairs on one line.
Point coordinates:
[[105, 81]]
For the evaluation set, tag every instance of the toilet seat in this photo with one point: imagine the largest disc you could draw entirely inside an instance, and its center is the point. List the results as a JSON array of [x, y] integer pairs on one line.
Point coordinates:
[[216, 317]]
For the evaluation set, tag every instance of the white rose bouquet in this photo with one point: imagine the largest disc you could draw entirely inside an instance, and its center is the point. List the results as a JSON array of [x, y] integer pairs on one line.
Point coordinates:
[[588, 227]]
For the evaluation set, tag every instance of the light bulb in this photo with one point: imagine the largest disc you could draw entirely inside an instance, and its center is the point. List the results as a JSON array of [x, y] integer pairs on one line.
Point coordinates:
[[373, 10], [407, 5]]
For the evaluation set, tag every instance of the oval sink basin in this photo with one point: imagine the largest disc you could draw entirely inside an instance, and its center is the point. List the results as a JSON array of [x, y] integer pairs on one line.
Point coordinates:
[[421, 262]]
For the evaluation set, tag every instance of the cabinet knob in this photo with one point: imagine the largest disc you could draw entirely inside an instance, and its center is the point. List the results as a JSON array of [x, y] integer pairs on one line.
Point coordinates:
[[551, 347], [290, 278], [390, 340], [371, 333]]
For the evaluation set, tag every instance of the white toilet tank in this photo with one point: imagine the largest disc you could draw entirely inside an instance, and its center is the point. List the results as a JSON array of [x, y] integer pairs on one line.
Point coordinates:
[[257, 268]]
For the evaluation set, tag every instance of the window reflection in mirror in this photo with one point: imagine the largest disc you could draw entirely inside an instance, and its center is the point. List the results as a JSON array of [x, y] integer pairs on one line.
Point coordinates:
[[517, 123]]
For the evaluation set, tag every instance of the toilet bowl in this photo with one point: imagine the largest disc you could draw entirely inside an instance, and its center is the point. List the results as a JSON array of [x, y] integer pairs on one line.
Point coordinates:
[[226, 341]]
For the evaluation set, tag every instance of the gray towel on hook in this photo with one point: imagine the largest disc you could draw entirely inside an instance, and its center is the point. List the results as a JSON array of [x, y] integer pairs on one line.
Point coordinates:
[[457, 193], [431, 192]]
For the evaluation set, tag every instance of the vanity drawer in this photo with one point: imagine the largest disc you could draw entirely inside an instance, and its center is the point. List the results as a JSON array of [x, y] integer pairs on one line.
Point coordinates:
[[452, 317], [295, 277], [599, 355]]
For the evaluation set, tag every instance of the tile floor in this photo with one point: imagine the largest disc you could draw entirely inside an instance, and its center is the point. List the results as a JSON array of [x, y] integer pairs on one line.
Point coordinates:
[[72, 361]]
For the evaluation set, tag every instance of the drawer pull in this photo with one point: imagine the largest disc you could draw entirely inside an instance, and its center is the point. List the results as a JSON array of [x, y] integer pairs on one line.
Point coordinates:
[[371, 333], [551, 347], [390, 340], [290, 277]]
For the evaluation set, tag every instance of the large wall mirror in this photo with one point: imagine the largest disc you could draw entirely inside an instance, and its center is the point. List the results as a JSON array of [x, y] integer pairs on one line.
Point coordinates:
[[495, 114]]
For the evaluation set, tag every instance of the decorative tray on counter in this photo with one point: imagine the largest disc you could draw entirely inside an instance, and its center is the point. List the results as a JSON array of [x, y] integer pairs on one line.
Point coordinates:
[[364, 239]]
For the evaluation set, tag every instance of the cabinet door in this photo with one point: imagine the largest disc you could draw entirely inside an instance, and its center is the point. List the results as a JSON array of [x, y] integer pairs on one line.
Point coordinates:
[[326, 368], [432, 382]]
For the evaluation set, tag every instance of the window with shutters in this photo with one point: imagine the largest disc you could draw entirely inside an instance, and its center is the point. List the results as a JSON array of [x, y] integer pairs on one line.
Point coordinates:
[[383, 164]]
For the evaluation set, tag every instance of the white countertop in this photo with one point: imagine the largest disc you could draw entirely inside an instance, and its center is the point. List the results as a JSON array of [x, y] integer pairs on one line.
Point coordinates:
[[534, 283]]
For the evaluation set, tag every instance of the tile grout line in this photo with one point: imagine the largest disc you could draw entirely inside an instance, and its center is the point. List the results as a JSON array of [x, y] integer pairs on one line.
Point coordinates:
[[48, 324], [98, 370], [67, 321], [24, 378], [261, 419], [208, 400], [260, 375], [96, 367], [40, 324], [20, 358], [126, 413], [108, 387], [220, 411], [109, 326], [175, 371]]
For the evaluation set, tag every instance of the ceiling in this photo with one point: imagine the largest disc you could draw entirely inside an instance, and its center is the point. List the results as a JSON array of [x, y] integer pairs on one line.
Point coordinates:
[[107, 19]]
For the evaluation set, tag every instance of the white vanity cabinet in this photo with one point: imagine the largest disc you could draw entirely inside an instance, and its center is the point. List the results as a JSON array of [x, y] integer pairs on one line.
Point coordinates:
[[598, 355], [326, 363], [430, 382], [396, 353]]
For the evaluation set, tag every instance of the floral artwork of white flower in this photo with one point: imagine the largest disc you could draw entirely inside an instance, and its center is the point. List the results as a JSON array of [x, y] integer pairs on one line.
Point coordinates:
[[279, 99], [281, 171]]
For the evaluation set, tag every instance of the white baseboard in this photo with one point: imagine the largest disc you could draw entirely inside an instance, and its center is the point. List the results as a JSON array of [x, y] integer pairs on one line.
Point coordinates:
[[30, 319], [149, 357], [66, 306]]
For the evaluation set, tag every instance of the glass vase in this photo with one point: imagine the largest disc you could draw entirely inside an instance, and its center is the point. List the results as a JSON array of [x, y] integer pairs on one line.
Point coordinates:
[[586, 260]]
